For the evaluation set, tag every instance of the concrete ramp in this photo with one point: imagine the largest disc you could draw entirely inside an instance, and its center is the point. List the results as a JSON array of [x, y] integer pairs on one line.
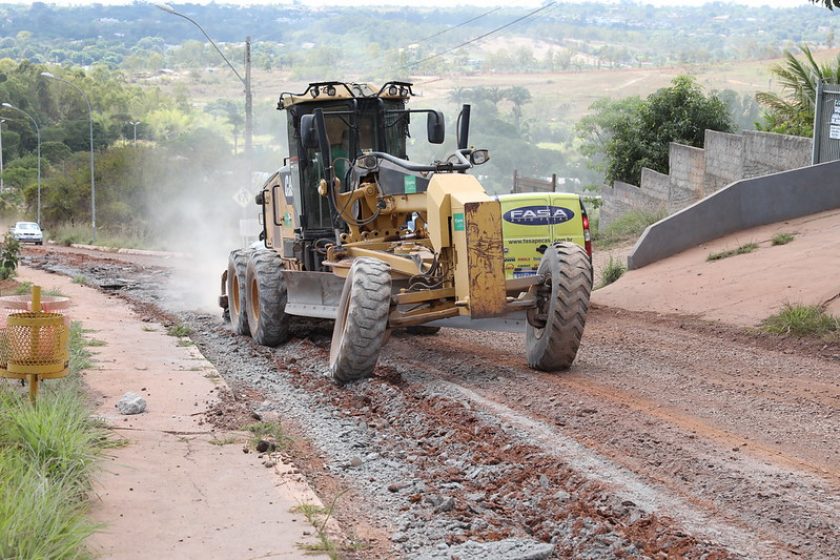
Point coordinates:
[[742, 205]]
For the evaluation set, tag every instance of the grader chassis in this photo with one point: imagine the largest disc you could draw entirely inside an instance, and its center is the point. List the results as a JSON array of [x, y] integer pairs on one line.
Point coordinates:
[[355, 232]]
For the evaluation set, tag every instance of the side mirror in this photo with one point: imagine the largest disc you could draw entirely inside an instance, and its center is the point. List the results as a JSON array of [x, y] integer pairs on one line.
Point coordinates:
[[464, 128], [435, 127], [479, 157], [308, 136]]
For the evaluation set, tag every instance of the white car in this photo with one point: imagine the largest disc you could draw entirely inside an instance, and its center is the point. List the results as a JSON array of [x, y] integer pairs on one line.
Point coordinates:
[[28, 232]]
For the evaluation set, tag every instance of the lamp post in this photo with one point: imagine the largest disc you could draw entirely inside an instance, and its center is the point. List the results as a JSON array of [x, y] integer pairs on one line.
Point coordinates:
[[90, 121], [246, 81], [1, 154], [38, 132], [134, 124]]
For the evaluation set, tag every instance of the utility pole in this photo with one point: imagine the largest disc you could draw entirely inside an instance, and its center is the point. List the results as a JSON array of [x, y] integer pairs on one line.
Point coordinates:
[[249, 106], [1, 154]]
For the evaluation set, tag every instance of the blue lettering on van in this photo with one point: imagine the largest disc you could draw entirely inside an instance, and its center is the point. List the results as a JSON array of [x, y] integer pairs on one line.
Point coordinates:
[[538, 215]]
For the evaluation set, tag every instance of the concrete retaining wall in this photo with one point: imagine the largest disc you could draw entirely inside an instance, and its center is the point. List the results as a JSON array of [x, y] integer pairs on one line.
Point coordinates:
[[724, 159], [622, 198], [657, 185], [741, 205], [765, 152], [688, 173]]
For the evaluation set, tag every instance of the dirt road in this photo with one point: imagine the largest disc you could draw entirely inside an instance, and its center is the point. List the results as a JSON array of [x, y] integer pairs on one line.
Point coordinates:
[[670, 437]]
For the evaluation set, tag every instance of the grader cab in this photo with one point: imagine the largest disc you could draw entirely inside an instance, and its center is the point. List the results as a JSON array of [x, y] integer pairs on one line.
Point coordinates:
[[355, 232]]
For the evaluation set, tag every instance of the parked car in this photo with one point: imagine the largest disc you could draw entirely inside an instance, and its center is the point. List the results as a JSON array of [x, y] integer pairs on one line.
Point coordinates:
[[28, 232]]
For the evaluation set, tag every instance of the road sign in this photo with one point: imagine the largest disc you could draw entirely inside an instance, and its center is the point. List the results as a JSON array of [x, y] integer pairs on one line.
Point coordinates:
[[242, 197]]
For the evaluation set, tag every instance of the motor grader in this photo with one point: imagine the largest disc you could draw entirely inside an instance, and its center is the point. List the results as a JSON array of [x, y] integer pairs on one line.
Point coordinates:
[[355, 232]]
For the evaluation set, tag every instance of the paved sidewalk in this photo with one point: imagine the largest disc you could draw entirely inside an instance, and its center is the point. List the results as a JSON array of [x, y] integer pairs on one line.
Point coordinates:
[[170, 493]]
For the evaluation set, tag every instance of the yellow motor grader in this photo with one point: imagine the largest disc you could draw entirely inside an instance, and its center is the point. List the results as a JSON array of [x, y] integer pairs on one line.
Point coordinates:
[[354, 231]]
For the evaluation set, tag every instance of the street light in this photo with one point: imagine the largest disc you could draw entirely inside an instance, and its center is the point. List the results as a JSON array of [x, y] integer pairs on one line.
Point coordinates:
[[38, 132], [246, 81], [92, 178], [134, 124]]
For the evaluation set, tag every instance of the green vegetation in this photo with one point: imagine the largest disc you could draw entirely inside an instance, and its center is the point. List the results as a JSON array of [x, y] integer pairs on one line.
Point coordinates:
[[227, 440], [47, 454], [80, 279], [782, 238], [793, 111], [318, 517], [180, 330], [801, 320], [9, 255], [627, 227], [632, 133], [271, 430], [612, 272], [742, 250]]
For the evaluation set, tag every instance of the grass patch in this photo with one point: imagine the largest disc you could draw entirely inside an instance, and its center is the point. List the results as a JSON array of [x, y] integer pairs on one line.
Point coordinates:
[[179, 330], [81, 234], [47, 455], [149, 329], [318, 517], [628, 227], [612, 272], [742, 250], [184, 342], [268, 430], [23, 288], [80, 279], [801, 320], [782, 239], [228, 440]]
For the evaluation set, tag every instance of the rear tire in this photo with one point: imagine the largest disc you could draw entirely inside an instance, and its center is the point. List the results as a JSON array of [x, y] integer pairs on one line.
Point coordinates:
[[237, 263], [555, 327], [266, 297], [361, 324]]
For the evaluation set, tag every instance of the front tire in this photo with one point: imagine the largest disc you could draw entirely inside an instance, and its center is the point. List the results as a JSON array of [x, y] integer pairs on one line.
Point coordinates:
[[265, 298], [555, 327], [237, 263], [362, 320]]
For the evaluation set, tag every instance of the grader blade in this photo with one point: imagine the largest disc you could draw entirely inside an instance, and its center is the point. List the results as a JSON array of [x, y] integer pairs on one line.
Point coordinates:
[[313, 294]]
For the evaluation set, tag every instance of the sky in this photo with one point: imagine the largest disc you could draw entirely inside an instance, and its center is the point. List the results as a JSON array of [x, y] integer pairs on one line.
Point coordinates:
[[438, 3]]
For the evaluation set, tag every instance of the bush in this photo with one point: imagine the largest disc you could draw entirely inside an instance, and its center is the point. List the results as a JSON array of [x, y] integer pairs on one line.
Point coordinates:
[[801, 320], [9, 255], [612, 272]]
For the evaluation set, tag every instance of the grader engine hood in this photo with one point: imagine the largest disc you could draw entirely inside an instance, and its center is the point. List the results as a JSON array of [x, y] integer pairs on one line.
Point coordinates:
[[463, 219]]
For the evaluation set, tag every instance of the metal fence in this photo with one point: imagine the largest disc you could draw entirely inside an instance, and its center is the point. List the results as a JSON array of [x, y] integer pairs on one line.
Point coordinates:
[[827, 123]]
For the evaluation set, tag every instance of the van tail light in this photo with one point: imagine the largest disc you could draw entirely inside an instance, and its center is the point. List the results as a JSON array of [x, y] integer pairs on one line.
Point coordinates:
[[587, 237]]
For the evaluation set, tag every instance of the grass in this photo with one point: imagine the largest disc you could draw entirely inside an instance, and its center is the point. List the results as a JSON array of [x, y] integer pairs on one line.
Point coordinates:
[[228, 440], [742, 250], [782, 238], [272, 430], [612, 272], [25, 288], [80, 279], [47, 455], [801, 320], [318, 517], [70, 235], [627, 227], [179, 330]]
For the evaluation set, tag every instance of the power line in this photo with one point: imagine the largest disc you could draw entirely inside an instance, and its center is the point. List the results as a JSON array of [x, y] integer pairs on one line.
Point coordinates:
[[462, 24], [480, 37]]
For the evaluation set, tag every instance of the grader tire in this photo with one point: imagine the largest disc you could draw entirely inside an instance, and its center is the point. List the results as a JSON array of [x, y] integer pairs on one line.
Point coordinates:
[[361, 324], [237, 262], [561, 312], [266, 297]]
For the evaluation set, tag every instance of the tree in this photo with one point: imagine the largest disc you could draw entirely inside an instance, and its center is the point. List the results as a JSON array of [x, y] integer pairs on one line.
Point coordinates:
[[830, 4], [793, 111], [637, 134]]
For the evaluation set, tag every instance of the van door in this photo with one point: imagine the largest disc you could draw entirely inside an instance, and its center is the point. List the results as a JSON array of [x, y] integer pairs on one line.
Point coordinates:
[[566, 218], [526, 232]]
